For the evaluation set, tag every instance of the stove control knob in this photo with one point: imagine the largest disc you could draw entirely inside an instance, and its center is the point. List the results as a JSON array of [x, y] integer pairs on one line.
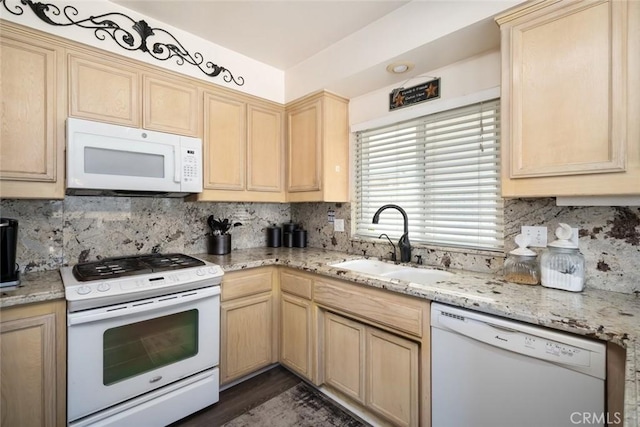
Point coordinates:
[[103, 287], [83, 290], [211, 270], [200, 272]]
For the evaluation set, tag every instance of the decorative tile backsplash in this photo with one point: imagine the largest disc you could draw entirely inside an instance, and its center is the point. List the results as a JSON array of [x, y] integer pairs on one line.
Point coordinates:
[[77, 229], [609, 239], [61, 232]]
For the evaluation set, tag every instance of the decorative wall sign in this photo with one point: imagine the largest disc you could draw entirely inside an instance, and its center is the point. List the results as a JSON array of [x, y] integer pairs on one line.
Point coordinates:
[[128, 34], [414, 95]]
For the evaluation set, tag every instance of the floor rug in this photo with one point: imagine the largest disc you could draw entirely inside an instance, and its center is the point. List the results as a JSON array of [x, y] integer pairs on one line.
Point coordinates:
[[300, 406]]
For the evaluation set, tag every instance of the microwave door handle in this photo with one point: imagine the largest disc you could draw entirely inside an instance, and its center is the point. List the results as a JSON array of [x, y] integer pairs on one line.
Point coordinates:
[[176, 164]]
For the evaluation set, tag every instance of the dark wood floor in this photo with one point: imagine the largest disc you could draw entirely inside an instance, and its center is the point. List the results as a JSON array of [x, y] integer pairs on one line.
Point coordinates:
[[241, 398]]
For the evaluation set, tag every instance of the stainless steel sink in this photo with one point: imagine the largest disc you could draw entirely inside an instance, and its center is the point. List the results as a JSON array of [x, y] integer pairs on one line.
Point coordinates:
[[419, 276]]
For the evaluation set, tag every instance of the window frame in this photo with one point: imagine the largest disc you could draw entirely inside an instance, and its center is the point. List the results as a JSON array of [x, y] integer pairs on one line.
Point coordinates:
[[391, 221]]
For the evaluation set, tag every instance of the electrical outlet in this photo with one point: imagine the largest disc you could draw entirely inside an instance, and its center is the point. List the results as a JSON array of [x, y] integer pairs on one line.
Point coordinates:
[[537, 236], [338, 224]]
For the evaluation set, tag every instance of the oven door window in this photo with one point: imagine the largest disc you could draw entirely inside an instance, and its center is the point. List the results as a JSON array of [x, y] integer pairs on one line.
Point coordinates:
[[141, 347]]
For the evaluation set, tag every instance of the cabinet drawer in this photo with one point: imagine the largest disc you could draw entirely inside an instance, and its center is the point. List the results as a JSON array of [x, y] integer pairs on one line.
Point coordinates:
[[245, 283], [296, 284], [397, 312]]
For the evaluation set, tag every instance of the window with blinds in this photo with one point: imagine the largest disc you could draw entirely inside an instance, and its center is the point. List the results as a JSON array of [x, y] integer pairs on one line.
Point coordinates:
[[442, 169]]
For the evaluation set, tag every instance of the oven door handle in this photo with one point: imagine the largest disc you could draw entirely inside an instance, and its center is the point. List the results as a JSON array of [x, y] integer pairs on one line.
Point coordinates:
[[142, 306]]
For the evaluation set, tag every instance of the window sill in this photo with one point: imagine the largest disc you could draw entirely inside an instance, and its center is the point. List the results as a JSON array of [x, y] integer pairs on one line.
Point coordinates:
[[453, 249]]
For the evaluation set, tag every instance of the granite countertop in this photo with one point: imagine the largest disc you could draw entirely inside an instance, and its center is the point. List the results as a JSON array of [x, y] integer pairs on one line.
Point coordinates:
[[34, 287], [608, 316]]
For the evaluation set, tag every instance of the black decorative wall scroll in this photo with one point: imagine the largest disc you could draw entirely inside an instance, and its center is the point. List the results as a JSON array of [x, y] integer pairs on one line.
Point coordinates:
[[127, 33], [414, 95]]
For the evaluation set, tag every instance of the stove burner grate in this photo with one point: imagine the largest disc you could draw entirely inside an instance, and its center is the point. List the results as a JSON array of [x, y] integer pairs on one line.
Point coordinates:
[[111, 268]]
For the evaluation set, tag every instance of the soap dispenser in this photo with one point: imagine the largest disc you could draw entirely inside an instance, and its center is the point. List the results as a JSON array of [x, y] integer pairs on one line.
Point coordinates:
[[562, 264], [521, 266]]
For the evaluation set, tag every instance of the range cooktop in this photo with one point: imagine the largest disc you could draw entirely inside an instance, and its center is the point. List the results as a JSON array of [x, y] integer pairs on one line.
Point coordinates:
[[110, 268], [122, 279]]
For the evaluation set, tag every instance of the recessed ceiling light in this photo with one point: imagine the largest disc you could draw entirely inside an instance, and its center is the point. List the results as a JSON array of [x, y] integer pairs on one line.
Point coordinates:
[[399, 67]]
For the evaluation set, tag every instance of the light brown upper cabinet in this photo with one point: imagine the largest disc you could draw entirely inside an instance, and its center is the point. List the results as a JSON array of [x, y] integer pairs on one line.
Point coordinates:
[[170, 105], [318, 149], [32, 134], [571, 98], [104, 90], [109, 90], [243, 149]]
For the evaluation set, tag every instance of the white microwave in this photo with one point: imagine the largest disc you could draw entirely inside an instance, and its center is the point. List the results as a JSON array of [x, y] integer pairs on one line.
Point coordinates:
[[107, 159]]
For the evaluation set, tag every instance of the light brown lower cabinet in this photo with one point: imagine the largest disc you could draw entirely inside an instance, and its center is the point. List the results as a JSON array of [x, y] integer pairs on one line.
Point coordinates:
[[374, 368], [33, 365], [248, 336], [344, 356], [296, 334], [392, 377]]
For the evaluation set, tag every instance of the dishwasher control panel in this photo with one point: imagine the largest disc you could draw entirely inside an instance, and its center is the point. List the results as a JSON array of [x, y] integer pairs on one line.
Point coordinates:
[[555, 351], [571, 351]]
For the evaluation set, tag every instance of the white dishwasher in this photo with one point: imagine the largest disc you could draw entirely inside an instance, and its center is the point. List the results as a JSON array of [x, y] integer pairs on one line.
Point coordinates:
[[487, 371]]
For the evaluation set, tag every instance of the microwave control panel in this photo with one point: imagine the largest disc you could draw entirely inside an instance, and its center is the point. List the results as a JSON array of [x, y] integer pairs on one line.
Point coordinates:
[[191, 160]]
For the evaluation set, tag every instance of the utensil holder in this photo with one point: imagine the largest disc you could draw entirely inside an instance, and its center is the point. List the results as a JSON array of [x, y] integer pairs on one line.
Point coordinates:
[[220, 244]]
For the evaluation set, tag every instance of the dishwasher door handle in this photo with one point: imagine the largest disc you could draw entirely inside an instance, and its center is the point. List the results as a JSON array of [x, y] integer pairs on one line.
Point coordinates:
[[497, 336]]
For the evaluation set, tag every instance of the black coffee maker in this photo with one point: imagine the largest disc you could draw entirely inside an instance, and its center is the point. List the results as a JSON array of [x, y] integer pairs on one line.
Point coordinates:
[[9, 272]]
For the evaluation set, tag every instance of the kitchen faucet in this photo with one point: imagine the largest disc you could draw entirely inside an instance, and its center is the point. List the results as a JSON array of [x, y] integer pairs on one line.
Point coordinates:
[[403, 243]]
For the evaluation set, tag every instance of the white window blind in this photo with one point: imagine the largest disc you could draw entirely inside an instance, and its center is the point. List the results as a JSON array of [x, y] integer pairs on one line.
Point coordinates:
[[442, 169]]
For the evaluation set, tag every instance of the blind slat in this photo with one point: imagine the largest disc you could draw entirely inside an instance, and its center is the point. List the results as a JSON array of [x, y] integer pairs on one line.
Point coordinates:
[[443, 169]]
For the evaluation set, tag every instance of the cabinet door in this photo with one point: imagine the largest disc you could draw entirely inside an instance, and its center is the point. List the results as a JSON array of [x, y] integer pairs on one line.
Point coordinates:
[[170, 106], [567, 92], [344, 356], [568, 102], [103, 91], [33, 111], [265, 168], [225, 131], [32, 363], [304, 155], [392, 377], [246, 336], [296, 334]]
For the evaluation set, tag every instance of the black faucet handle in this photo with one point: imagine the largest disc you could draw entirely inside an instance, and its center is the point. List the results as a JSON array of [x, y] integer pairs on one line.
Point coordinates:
[[393, 256], [418, 259]]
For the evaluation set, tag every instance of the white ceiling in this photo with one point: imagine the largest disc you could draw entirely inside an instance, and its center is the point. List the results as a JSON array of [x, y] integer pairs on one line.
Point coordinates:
[[340, 45], [278, 33]]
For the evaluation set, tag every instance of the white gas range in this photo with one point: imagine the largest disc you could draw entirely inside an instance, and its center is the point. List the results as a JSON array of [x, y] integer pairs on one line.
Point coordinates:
[[143, 339]]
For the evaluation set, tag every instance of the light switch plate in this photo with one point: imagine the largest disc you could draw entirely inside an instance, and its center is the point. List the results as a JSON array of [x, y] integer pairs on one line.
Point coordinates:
[[537, 236], [338, 224]]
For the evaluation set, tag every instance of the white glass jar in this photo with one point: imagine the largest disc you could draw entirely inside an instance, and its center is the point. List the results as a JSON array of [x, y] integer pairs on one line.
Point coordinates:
[[562, 265]]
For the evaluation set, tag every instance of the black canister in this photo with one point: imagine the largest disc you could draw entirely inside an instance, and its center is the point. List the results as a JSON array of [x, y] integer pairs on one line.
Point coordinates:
[[300, 238], [287, 240], [274, 237], [287, 234]]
